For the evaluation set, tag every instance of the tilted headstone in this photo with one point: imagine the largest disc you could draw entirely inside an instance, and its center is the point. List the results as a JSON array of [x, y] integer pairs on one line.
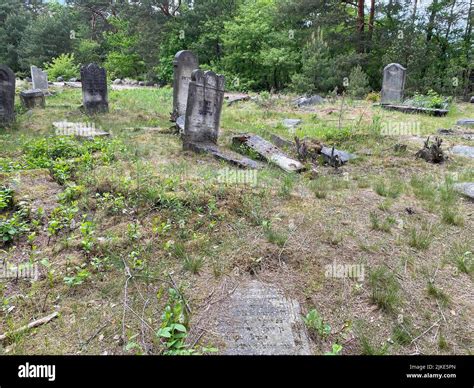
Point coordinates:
[[185, 62], [204, 106], [39, 78], [94, 89], [393, 83], [7, 95], [33, 98]]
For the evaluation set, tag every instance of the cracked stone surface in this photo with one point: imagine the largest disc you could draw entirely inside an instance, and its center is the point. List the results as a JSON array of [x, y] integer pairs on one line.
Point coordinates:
[[259, 320]]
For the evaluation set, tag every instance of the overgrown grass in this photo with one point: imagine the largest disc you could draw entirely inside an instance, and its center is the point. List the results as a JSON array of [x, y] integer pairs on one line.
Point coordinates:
[[385, 289]]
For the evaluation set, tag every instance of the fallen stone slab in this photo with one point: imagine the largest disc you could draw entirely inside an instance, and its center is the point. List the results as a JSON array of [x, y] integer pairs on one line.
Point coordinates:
[[452, 132], [258, 319], [330, 153], [226, 155], [463, 150], [416, 109], [234, 98], [291, 123], [465, 188], [270, 152], [467, 122], [309, 101], [66, 128], [281, 142]]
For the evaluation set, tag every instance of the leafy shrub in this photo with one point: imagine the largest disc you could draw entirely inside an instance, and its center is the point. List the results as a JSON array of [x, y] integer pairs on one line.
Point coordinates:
[[6, 197], [373, 97], [430, 100], [13, 227], [62, 66], [315, 322]]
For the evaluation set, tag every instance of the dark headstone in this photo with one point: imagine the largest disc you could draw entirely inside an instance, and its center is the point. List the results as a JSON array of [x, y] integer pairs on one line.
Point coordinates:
[[94, 89], [203, 108], [7, 95], [393, 83], [33, 98], [185, 62]]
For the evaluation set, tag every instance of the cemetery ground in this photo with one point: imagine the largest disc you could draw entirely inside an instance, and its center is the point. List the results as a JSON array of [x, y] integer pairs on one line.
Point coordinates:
[[114, 223]]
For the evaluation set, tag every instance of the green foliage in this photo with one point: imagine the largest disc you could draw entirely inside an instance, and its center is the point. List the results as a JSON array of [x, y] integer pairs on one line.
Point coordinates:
[[315, 322], [430, 100], [336, 349], [122, 59], [358, 82], [87, 231], [78, 277], [6, 197], [62, 66], [11, 228]]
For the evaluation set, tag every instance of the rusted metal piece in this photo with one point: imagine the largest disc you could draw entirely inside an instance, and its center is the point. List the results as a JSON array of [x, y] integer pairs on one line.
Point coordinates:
[[268, 151], [226, 155]]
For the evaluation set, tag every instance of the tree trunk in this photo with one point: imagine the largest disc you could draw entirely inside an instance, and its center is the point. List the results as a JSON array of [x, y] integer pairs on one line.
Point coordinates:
[[360, 24]]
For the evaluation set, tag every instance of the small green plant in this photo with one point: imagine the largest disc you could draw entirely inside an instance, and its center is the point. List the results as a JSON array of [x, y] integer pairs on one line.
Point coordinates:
[[12, 228], [400, 335], [419, 239], [462, 257], [384, 226], [193, 264], [79, 277], [336, 349], [173, 331], [385, 289], [315, 323], [273, 236], [6, 197], [438, 294], [87, 229], [287, 185], [391, 189]]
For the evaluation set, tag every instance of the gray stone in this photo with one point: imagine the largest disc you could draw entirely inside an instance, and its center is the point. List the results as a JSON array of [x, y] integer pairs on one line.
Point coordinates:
[[73, 79], [7, 95], [291, 123], [468, 122], [342, 156], [185, 62], [33, 98], [463, 150], [141, 83], [309, 101], [268, 151], [28, 79], [117, 81], [472, 100], [393, 83], [466, 188], [40, 78], [94, 89], [203, 108], [259, 320], [180, 123], [60, 79]]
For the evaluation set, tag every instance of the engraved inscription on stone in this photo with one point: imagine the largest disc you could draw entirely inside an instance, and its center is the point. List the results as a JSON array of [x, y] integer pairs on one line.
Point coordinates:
[[393, 83], [259, 320], [7, 95], [185, 62], [94, 89]]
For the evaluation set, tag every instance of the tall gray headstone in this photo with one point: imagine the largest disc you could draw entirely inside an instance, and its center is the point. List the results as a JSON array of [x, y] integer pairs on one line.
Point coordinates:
[[185, 62], [7, 95], [393, 83], [94, 89], [203, 109], [39, 78]]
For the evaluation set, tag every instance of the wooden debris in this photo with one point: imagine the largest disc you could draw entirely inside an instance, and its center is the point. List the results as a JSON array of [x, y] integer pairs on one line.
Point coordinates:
[[432, 153], [30, 325]]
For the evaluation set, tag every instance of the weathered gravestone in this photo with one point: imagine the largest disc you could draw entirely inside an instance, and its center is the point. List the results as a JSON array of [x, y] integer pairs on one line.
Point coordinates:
[[259, 320], [39, 78], [7, 95], [203, 110], [33, 98], [185, 62], [393, 83], [94, 89]]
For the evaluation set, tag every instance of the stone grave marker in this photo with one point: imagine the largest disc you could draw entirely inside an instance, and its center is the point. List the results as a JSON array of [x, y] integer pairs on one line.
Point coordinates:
[[393, 83], [94, 89], [7, 95], [203, 108], [39, 78], [185, 62], [463, 150], [33, 98], [259, 320], [466, 188]]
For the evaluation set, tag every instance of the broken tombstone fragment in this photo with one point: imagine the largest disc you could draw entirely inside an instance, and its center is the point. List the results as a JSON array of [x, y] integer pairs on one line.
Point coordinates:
[[180, 124], [268, 151], [465, 188], [463, 150], [309, 101], [33, 98]]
